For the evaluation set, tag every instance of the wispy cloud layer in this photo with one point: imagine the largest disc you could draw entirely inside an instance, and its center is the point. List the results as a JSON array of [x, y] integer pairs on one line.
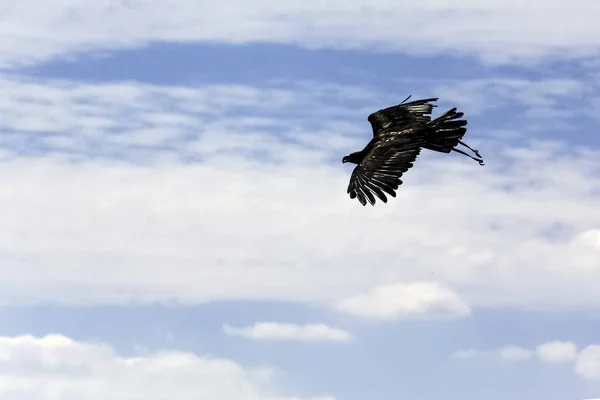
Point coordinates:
[[496, 31], [144, 122], [554, 99], [281, 331]]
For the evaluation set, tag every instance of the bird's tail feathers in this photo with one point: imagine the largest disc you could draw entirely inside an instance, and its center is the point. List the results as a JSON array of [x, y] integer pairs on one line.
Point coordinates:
[[445, 131]]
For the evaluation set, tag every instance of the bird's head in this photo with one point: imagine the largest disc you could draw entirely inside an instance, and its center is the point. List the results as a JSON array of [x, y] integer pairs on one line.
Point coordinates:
[[352, 158]]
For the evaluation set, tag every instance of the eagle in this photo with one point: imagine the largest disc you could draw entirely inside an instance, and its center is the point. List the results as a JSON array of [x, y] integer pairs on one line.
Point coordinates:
[[399, 134]]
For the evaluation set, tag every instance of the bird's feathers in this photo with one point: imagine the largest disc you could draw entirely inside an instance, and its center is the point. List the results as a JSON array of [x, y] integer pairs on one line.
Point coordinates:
[[401, 116], [381, 170]]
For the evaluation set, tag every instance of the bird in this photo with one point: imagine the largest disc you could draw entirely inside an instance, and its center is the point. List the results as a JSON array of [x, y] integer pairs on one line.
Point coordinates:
[[399, 134]]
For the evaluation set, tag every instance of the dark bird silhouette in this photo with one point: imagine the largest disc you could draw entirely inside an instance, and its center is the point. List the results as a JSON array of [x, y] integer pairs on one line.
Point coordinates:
[[399, 134]]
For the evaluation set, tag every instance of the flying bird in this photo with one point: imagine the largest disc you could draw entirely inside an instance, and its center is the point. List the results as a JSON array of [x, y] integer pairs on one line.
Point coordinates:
[[399, 134]]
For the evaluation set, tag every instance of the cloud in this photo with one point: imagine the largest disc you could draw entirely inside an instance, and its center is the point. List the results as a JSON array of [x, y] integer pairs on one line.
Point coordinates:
[[103, 188], [557, 352], [467, 28], [428, 299], [589, 238], [542, 98], [588, 362], [61, 368], [145, 123], [279, 331]]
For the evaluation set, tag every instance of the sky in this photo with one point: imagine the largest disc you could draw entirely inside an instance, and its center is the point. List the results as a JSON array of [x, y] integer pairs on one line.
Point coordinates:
[[174, 222]]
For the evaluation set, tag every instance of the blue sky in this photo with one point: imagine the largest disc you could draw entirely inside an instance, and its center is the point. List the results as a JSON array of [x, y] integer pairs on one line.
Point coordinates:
[[175, 222]]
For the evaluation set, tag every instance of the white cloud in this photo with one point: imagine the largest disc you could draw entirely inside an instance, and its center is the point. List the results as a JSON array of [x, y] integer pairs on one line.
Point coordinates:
[[102, 230], [557, 352], [145, 122], [543, 98], [280, 331], [59, 368], [588, 362], [428, 299], [495, 30], [589, 238]]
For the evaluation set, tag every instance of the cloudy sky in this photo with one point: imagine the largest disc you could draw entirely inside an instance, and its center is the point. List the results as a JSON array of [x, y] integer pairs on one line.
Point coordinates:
[[174, 222]]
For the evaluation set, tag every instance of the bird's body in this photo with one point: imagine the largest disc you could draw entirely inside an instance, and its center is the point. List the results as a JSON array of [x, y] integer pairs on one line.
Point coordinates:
[[399, 134]]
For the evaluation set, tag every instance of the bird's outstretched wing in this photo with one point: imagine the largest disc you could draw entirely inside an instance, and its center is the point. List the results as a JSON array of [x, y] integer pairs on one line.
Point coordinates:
[[401, 116], [381, 170]]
